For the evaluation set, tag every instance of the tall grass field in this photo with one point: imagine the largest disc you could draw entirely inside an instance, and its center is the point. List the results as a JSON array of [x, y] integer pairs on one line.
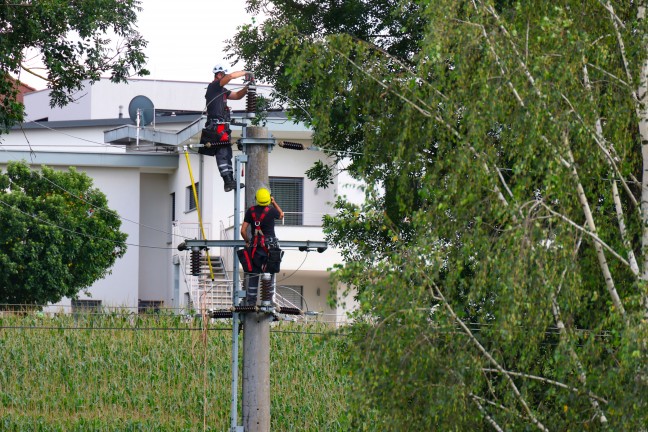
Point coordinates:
[[130, 372]]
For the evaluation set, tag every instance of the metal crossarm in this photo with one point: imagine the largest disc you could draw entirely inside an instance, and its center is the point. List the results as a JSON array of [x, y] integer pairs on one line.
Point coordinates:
[[304, 245]]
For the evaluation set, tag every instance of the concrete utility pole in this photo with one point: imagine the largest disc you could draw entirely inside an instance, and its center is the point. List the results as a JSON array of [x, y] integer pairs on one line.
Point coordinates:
[[256, 326], [256, 144]]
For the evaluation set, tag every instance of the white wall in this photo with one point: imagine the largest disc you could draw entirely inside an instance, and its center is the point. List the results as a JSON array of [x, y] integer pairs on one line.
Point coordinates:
[[155, 253], [292, 163], [80, 139], [120, 287], [105, 98], [310, 281], [345, 303], [37, 106]]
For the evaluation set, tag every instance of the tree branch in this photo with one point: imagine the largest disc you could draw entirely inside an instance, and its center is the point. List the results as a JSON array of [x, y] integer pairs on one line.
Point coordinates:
[[485, 414], [383, 85], [608, 74], [599, 139], [426, 113], [565, 336], [594, 237], [548, 381], [580, 191], [490, 358], [31, 72], [643, 131], [615, 190], [589, 218]]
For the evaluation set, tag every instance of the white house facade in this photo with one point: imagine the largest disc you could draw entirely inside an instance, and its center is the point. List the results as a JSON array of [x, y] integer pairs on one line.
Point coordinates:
[[147, 180]]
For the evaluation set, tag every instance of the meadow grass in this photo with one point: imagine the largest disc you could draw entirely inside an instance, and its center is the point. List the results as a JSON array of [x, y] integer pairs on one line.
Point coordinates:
[[125, 372]]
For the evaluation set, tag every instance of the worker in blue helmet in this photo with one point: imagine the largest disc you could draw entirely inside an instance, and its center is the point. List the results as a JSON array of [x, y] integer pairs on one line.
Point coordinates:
[[218, 118], [258, 231]]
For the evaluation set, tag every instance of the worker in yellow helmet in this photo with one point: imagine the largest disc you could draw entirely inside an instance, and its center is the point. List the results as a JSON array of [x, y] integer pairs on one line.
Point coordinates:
[[260, 239]]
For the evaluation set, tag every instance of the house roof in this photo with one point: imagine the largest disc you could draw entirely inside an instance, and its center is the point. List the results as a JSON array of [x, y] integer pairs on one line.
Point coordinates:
[[156, 162], [117, 122], [114, 122], [21, 87]]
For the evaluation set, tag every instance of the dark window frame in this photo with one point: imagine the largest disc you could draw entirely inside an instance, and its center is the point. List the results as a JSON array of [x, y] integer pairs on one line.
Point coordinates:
[[289, 193], [190, 200], [86, 306], [149, 306], [173, 206]]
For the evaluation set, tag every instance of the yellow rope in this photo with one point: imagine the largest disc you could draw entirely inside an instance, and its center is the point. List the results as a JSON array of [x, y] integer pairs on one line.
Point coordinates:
[[200, 222]]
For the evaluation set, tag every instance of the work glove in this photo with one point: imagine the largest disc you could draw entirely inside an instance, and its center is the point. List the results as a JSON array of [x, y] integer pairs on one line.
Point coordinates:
[[249, 76]]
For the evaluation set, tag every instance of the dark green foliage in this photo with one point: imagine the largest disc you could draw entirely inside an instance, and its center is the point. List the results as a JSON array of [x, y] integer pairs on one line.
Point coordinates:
[[322, 172], [74, 41], [495, 284], [57, 236]]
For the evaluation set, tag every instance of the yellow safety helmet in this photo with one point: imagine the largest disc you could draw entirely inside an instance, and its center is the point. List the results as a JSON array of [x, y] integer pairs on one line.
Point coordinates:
[[263, 197]]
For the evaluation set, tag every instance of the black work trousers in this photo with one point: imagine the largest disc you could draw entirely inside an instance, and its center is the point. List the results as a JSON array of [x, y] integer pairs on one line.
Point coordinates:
[[224, 160]]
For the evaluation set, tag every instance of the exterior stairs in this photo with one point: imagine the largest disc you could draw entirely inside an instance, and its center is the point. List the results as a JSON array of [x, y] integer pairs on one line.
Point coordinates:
[[207, 294]]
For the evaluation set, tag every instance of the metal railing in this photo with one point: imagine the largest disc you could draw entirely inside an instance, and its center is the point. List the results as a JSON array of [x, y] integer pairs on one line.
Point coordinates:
[[203, 293], [201, 289], [227, 256], [292, 219], [188, 230]]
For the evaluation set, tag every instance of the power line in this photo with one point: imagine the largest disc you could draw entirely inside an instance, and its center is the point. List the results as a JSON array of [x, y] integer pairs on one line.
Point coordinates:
[[105, 210], [184, 329], [76, 232], [452, 330], [296, 270], [115, 328], [69, 135]]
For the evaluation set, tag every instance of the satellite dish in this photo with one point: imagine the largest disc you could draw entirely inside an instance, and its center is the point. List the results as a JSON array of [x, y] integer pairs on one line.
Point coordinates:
[[145, 107]]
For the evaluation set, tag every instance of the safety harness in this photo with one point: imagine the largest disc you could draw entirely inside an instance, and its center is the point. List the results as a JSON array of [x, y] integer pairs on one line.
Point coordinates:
[[246, 256], [258, 234]]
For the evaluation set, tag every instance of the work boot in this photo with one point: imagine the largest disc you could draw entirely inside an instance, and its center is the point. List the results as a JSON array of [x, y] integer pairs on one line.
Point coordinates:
[[230, 183]]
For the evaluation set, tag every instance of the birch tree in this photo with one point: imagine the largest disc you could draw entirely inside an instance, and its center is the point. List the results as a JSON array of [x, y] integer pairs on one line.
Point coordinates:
[[501, 256]]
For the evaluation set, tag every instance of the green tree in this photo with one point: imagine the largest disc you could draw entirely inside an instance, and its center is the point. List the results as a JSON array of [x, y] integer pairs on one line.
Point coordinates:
[[76, 41], [57, 236], [501, 258]]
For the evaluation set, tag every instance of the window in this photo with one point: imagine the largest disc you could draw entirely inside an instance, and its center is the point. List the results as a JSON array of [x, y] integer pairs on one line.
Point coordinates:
[[173, 204], [292, 295], [172, 214], [191, 199], [149, 306], [289, 194], [86, 306]]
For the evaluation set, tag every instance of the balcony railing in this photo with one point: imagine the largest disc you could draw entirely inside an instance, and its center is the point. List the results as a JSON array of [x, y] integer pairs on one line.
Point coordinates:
[[291, 219], [188, 230]]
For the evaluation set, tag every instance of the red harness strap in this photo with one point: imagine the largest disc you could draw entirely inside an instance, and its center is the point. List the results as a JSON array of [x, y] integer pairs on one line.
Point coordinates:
[[245, 259], [257, 229]]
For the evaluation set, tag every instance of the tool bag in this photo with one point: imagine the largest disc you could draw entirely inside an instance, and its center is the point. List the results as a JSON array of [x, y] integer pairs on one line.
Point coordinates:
[[214, 135], [273, 265]]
